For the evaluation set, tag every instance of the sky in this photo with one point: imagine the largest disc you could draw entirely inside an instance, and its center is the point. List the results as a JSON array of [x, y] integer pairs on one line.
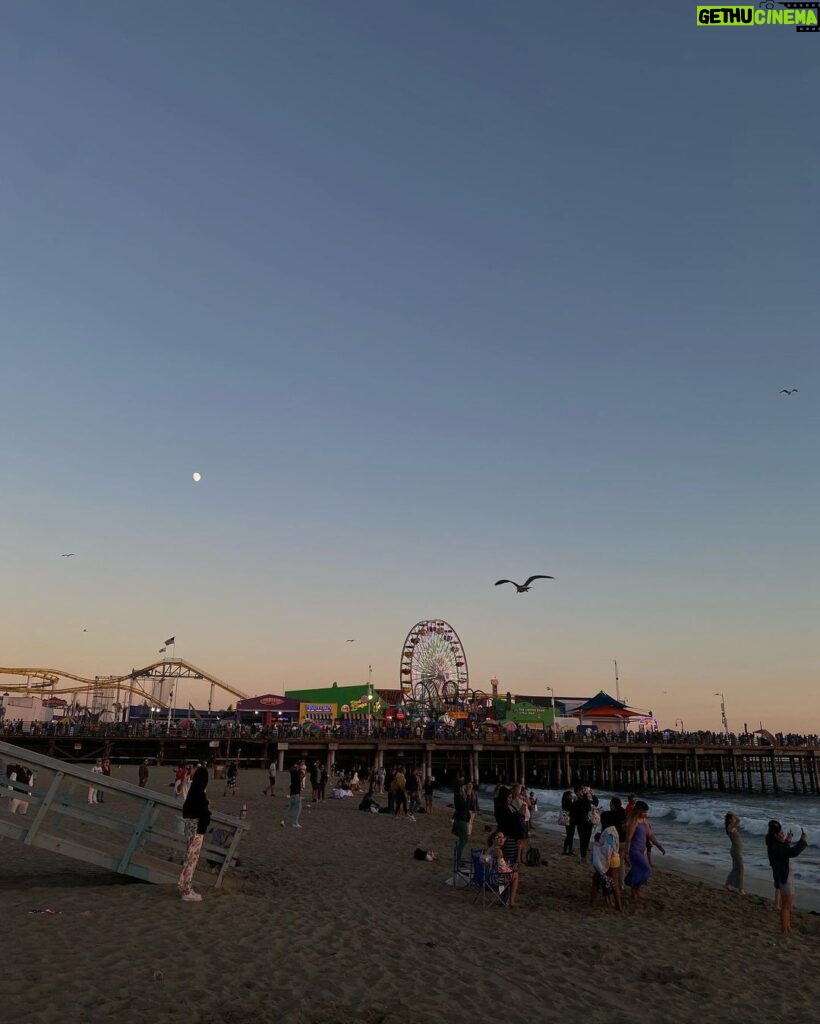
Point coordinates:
[[430, 294]]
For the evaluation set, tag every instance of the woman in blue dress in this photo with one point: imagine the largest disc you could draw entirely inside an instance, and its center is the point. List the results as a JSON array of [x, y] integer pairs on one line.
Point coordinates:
[[639, 835]]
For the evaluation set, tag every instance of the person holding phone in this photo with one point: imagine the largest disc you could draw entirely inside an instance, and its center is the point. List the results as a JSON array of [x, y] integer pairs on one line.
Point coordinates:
[[781, 850]]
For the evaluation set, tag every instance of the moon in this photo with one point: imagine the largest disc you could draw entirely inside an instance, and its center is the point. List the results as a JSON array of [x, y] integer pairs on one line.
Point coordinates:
[[197, 477]]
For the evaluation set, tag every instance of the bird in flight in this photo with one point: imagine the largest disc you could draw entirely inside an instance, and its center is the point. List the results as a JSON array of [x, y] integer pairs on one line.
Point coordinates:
[[84, 630], [788, 391], [350, 641], [69, 555], [522, 588]]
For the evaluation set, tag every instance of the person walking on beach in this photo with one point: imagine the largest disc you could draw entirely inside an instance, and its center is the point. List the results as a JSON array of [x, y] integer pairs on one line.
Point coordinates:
[[196, 815], [143, 773], [565, 819], [294, 807], [315, 782], [582, 815], [106, 770], [92, 791], [781, 851], [271, 786], [734, 880], [231, 778], [399, 789], [604, 862], [429, 785], [638, 833], [461, 820], [323, 782], [413, 788]]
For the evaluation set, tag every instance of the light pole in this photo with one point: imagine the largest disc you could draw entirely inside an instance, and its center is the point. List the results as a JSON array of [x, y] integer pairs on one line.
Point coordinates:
[[679, 721], [369, 698], [723, 712], [551, 692]]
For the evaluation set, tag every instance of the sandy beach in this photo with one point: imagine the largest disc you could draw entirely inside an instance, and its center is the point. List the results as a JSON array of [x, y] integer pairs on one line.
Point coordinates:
[[336, 922]]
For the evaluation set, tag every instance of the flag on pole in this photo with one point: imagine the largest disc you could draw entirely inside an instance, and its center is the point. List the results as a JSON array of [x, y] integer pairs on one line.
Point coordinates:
[[161, 650], [193, 712], [171, 642]]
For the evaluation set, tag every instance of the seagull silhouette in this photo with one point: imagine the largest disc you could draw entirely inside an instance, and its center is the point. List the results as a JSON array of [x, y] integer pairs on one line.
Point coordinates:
[[350, 641], [84, 630], [69, 555], [788, 391], [522, 588]]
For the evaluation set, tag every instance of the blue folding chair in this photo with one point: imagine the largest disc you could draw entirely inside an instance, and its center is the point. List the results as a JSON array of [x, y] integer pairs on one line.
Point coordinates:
[[489, 882]]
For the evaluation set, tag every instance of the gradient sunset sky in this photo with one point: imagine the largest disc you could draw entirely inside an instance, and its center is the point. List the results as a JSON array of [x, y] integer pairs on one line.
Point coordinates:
[[430, 294]]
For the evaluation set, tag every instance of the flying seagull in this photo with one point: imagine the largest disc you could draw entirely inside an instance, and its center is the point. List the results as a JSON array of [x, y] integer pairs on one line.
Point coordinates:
[[522, 588], [788, 391], [350, 641], [69, 555]]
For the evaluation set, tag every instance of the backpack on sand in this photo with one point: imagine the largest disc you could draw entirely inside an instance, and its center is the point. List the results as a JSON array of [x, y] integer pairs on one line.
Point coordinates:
[[532, 858]]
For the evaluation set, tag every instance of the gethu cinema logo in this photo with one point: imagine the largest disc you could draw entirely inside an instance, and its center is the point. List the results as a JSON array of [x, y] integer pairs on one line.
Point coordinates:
[[802, 15]]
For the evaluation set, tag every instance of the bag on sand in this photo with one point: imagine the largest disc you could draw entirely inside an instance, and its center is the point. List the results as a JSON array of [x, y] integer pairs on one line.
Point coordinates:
[[532, 858]]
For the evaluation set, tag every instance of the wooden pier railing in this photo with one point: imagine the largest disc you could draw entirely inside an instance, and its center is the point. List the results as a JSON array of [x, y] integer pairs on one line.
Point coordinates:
[[551, 764]]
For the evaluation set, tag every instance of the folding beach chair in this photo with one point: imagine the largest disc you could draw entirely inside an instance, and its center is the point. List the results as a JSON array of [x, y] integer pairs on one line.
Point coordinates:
[[491, 884]]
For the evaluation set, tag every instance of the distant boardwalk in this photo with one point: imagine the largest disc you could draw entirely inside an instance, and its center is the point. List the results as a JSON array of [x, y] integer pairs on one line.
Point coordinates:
[[671, 767]]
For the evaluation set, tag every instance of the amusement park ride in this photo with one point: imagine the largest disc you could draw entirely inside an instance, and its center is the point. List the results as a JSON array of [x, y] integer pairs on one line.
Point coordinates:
[[434, 677], [103, 693]]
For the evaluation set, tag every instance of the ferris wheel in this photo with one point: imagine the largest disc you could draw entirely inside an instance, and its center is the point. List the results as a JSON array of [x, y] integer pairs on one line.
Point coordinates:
[[433, 667]]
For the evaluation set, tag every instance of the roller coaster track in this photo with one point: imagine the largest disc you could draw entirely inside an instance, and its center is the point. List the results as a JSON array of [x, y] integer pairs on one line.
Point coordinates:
[[171, 668]]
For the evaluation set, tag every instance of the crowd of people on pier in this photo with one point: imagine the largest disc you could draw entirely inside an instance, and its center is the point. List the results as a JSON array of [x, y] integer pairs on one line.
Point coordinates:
[[230, 728]]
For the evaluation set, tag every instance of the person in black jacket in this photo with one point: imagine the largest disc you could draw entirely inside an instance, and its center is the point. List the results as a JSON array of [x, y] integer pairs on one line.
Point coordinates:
[[781, 851], [579, 816], [567, 800], [510, 822], [196, 817]]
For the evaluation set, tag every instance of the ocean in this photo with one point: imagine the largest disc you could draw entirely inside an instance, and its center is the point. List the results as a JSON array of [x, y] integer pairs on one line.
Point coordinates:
[[690, 826]]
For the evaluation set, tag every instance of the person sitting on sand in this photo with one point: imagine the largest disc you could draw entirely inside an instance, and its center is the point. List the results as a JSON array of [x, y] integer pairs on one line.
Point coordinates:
[[367, 803], [734, 880], [501, 866]]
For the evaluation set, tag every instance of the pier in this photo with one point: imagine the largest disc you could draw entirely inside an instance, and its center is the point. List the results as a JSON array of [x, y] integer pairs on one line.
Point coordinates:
[[551, 764]]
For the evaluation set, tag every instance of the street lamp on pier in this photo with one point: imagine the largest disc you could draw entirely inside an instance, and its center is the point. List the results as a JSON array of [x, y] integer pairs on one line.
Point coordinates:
[[551, 692], [723, 712], [369, 699]]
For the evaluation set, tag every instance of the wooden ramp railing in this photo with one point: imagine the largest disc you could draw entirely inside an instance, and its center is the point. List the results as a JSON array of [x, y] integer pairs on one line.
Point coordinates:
[[131, 830]]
